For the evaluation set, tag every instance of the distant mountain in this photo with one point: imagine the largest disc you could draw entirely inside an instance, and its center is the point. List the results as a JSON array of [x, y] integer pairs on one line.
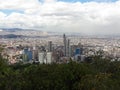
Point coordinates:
[[10, 36], [11, 29]]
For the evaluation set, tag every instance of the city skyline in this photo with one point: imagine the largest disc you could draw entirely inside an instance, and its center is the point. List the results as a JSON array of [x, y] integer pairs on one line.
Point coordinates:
[[83, 16]]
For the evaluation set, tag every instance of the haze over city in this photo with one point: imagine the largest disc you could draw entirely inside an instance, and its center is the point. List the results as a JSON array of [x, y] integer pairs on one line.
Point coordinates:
[[83, 16]]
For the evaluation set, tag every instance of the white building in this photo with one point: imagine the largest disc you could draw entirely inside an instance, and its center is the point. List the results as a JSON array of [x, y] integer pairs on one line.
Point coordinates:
[[45, 58], [41, 57], [49, 57]]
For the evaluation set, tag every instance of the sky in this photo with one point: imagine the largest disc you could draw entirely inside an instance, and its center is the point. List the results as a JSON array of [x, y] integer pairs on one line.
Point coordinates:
[[83, 16]]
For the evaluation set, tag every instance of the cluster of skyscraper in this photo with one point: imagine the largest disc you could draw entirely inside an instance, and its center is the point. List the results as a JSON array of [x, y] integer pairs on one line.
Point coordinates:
[[50, 53], [37, 54], [66, 46], [46, 54], [71, 50]]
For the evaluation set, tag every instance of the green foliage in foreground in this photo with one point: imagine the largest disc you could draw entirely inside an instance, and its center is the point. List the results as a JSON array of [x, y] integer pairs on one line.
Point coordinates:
[[99, 75]]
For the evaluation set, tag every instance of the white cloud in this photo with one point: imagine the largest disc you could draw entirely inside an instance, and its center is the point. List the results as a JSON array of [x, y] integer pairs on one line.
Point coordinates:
[[89, 17], [19, 4], [49, 1]]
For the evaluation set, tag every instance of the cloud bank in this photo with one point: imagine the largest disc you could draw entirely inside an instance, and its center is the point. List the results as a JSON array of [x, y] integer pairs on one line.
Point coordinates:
[[52, 15]]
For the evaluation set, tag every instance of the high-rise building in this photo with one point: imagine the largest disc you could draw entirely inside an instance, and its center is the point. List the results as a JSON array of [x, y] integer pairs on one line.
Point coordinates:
[[68, 48], [45, 57], [41, 57], [27, 54], [65, 42], [25, 57], [50, 46], [78, 54], [77, 51], [35, 53], [49, 57]]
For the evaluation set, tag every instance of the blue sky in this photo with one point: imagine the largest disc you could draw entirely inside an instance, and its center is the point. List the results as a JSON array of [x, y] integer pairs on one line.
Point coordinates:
[[9, 11], [88, 0]]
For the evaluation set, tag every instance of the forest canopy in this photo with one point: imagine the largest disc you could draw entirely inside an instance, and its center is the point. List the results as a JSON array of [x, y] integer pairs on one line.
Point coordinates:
[[101, 74]]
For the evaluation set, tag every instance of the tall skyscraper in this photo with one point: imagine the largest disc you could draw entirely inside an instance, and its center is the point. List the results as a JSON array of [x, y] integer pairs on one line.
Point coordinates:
[[50, 46], [65, 42], [35, 53], [68, 48]]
